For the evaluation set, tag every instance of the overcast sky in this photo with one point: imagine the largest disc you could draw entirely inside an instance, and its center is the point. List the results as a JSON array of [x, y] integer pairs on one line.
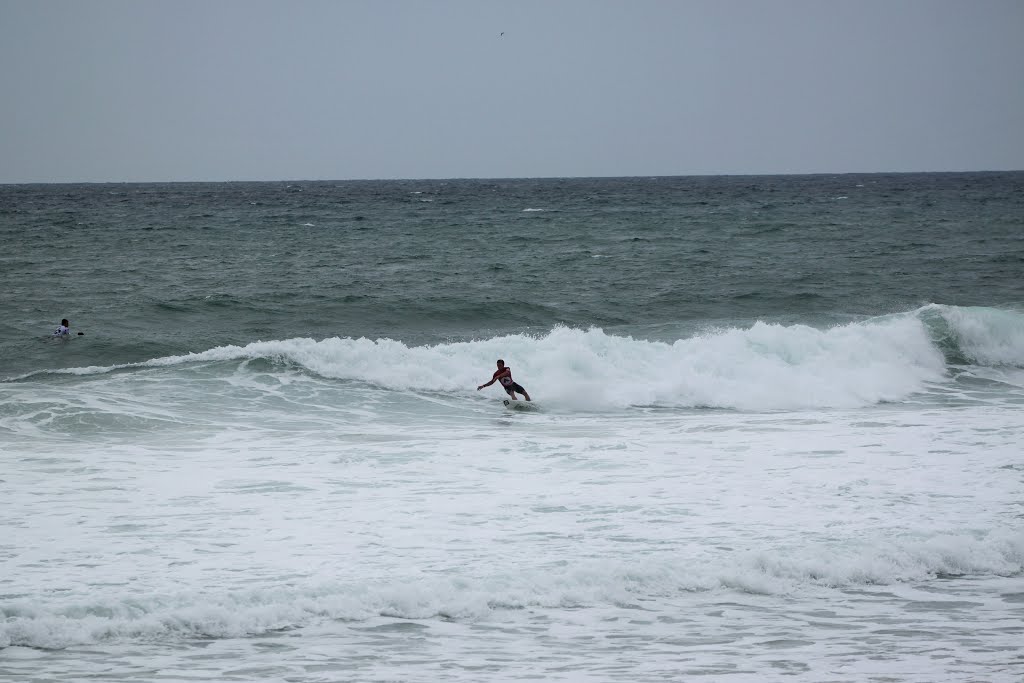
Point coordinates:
[[132, 90]]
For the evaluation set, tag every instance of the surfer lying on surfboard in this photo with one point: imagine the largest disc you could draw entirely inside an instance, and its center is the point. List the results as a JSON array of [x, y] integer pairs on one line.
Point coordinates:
[[504, 375]]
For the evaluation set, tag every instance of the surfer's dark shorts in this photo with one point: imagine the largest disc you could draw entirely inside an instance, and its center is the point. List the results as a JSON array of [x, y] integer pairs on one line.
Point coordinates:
[[515, 387]]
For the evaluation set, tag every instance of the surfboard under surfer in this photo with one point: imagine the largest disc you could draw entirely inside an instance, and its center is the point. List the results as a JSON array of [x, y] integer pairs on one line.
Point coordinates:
[[504, 375]]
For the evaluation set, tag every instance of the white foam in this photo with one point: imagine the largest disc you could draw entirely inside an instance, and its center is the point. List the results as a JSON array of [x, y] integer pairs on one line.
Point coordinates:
[[579, 584], [765, 367], [762, 367]]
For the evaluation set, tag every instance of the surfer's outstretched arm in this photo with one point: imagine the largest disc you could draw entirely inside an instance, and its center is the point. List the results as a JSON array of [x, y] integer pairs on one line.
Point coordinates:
[[497, 376]]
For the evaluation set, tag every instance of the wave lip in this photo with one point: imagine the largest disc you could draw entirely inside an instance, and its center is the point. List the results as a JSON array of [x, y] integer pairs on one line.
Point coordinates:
[[976, 334]]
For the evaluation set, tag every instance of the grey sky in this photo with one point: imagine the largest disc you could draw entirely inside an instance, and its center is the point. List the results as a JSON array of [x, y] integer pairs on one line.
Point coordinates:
[[129, 90]]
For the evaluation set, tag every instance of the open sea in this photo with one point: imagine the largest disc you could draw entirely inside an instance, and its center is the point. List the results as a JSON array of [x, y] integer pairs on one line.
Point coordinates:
[[780, 433]]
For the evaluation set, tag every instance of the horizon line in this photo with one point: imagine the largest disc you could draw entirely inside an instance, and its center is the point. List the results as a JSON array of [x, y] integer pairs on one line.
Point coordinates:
[[503, 178]]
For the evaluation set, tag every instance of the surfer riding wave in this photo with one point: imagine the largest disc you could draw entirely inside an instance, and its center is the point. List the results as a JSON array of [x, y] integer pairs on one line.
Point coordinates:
[[504, 375]]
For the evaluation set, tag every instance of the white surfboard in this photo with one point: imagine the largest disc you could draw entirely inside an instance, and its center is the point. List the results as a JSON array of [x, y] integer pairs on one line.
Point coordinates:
[[516, 404]]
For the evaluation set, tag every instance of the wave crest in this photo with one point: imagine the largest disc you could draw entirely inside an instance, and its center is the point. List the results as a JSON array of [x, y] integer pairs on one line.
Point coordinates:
[[765, 366]]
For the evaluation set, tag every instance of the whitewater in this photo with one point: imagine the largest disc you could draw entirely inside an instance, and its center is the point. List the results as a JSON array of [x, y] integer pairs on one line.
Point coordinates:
[[262, 462]]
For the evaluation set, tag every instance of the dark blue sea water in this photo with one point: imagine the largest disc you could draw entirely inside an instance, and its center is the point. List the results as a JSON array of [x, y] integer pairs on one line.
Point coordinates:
[[152, 270]]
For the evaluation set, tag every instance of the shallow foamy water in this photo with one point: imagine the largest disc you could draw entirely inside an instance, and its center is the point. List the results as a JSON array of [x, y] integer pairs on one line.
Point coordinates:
[[418, 536]]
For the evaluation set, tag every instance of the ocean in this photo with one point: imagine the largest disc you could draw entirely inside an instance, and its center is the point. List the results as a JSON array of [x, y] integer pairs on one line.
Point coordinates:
[[778, 433]]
